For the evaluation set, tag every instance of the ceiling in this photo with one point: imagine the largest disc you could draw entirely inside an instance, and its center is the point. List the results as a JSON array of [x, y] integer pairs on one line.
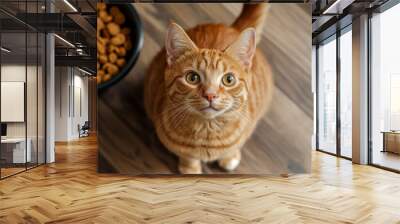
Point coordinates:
[[21, 21], [331, 15]]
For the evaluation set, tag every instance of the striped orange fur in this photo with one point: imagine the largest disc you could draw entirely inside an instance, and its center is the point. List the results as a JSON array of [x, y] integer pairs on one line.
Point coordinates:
[[208, 88]]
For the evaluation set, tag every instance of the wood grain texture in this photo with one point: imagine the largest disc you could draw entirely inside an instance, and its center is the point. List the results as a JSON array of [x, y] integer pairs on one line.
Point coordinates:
[[71, 191], [282, 141]]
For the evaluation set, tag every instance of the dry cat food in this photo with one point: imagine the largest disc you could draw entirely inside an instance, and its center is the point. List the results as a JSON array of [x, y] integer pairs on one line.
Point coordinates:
[[113, 41]]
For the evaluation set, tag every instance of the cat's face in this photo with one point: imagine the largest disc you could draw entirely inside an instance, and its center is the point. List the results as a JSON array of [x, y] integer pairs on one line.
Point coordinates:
[[208, 82]]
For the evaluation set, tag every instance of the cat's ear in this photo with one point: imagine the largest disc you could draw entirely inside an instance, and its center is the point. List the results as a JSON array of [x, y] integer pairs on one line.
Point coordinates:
[[244, 47], [177, 42]]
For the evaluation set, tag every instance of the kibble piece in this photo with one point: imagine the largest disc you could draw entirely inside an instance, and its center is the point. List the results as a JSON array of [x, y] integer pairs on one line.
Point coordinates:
[[103, 59], [101, 47], [121, 51], [100, 72], [103, 41], [112, 48], [111, 68], [113, 28], [112, 57], [118, 39], [118, 16], [105, 17], [100, 24], [121, 62], [106, 77]]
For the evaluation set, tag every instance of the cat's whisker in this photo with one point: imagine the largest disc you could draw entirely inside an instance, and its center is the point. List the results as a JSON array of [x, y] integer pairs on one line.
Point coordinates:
[[172, 112], [178, 116]]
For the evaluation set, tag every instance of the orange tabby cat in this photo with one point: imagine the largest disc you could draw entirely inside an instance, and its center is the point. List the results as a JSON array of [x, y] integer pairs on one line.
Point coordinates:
[[208, 88]]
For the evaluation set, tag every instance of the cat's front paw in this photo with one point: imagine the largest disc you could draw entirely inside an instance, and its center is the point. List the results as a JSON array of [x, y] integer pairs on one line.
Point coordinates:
[[190, 169], [229, 164]]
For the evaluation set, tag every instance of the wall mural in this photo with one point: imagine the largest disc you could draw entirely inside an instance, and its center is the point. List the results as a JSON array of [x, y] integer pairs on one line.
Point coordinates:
[[204, 88]]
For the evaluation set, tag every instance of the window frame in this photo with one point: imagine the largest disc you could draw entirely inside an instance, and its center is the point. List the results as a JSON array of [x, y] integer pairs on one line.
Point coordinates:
[[334, 37]]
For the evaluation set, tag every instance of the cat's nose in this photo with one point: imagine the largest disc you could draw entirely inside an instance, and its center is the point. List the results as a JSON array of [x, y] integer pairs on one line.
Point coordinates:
[[210, 96]]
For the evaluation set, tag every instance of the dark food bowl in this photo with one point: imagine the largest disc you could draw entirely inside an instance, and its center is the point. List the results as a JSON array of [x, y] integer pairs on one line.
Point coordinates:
[[132, 20]]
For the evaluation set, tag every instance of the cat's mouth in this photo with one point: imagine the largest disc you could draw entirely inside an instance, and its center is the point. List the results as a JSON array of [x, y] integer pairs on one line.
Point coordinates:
[[211, 111], [209, 108]]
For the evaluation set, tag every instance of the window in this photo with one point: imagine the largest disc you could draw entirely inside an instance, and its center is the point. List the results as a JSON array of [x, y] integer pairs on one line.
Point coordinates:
[[385, 89], [327, 96], [334, 106], [22, 78], [346, 75]]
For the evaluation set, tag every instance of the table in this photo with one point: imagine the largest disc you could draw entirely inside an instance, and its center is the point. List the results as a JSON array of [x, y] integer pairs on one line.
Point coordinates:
[[13, 150], [391, 141]]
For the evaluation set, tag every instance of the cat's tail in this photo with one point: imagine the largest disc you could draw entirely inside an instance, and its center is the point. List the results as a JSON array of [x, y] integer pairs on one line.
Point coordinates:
[[252, 15]]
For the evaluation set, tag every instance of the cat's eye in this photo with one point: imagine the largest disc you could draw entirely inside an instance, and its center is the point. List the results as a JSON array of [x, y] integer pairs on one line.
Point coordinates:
[[192, 78], [229, 79]]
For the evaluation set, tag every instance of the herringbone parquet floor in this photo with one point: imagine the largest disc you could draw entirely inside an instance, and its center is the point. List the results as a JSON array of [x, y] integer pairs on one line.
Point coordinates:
[[70, 191]]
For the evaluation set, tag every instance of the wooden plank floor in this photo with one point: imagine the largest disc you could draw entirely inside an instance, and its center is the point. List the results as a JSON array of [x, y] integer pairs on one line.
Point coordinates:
[[71, 191], [281, 143]]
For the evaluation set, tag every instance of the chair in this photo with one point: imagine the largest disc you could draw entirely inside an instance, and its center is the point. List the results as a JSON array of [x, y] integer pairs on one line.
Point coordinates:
[[84, 130]]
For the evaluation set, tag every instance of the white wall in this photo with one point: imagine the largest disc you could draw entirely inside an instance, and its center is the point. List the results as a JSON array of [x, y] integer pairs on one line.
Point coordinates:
[[62, 81], [12, 73], [80, 109], [13, 101], [71, 93], [16, 73]]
